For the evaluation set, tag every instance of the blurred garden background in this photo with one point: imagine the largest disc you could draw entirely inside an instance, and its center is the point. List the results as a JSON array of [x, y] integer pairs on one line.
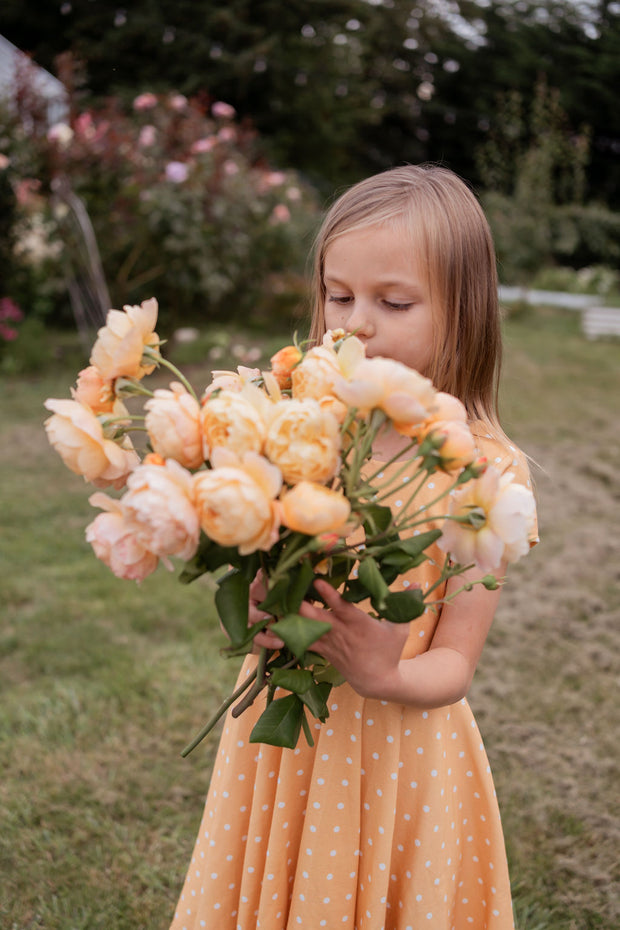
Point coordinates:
[[186, 150]]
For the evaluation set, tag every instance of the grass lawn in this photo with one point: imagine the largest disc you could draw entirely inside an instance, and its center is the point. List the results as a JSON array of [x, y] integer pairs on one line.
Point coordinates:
[[102, 682]]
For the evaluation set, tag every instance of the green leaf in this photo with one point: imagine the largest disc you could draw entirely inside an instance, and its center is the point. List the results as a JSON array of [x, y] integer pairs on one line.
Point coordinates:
[[297, 680], [275, 600], [355, 592], [232, 602], [280, 723], [369, 574], [403, 606], [299, 632], [300, 579], [322, 670], [377, 519], [315, 699]]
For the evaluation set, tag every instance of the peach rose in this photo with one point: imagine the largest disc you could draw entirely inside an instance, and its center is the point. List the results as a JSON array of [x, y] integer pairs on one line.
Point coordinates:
[[173, 423], [235, 501], [403, 394], [456, 445], [303, 440], [235, 420], [497, 521], [114, 541], [78, 437], [313, 509], [316, 374], [120, 344], [283, 363], [95, 391], [159, 501]]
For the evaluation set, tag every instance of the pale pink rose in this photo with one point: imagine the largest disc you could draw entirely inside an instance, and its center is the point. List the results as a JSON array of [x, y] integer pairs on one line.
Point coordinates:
[[234, 420], [403, 394], [174, 425], [147, 137], [503, 515], [223, 110], [303, 440], [78, 437], [230, 167], [236, 501], [274, 178], [145, 102], [94, 390], [177, 172], [159, 500], [114, 541], [120, 344], [312, 509]]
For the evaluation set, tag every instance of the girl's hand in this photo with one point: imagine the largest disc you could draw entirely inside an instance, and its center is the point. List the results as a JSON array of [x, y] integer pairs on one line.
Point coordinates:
[[258, 593], [365, 650]]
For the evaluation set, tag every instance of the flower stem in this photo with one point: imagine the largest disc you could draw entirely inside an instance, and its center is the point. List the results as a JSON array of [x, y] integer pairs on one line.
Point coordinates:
[[160, 360], [220, 713]]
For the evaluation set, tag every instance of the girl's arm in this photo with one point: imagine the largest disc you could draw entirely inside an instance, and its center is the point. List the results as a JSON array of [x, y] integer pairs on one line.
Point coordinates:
[[368, 651]]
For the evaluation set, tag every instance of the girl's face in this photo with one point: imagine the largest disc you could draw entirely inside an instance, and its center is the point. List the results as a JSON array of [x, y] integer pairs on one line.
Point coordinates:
[[375, 288]]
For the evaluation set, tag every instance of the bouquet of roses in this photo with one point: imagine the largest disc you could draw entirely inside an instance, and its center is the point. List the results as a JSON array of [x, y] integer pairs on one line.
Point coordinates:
[[271, 472]]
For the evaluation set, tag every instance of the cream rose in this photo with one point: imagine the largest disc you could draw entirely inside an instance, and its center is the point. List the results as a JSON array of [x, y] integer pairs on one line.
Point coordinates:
[[235, 501], [159, 501], [231, 380], [313, 509], [303, 440], [404, 395], [174, 425], [78, 437], [120, 344], [114, 541], [235, 420], [499, 522]]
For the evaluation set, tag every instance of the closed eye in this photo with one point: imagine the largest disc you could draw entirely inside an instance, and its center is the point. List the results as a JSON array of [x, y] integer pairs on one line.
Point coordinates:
[[393, 305]]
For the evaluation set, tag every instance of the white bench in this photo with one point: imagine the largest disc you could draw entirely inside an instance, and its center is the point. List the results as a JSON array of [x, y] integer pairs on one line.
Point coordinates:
[[600, 321]]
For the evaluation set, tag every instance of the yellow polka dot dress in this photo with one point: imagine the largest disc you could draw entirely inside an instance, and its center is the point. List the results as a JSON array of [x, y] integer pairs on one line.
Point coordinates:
[[389, 822]]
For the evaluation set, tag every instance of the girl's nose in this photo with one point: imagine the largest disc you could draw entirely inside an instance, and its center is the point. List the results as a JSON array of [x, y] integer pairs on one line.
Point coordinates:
[[360, 321]]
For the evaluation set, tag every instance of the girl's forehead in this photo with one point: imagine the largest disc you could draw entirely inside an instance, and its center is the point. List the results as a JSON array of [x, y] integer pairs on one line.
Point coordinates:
[[385, 250]]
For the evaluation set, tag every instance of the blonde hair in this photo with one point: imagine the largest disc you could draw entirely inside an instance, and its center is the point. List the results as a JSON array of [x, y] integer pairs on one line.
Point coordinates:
[[450, 238]]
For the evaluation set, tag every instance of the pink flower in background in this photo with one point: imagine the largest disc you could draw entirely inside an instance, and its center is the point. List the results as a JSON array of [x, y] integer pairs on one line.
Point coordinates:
[[4, 162], [147, 136], [178, 102], [223, 110], [200, 146], [177, 172], [145, 102], [227, 134], [280, 214], [230, 167], [61, 134]]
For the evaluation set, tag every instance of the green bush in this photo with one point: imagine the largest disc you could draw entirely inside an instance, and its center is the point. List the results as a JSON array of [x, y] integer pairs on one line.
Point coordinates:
[[182, 203]]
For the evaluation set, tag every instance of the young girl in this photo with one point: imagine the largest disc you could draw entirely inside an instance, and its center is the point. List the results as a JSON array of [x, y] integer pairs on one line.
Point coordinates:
[[390, 821]]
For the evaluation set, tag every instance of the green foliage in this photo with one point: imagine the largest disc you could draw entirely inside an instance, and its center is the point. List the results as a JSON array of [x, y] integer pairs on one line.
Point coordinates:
[[182, 203]]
